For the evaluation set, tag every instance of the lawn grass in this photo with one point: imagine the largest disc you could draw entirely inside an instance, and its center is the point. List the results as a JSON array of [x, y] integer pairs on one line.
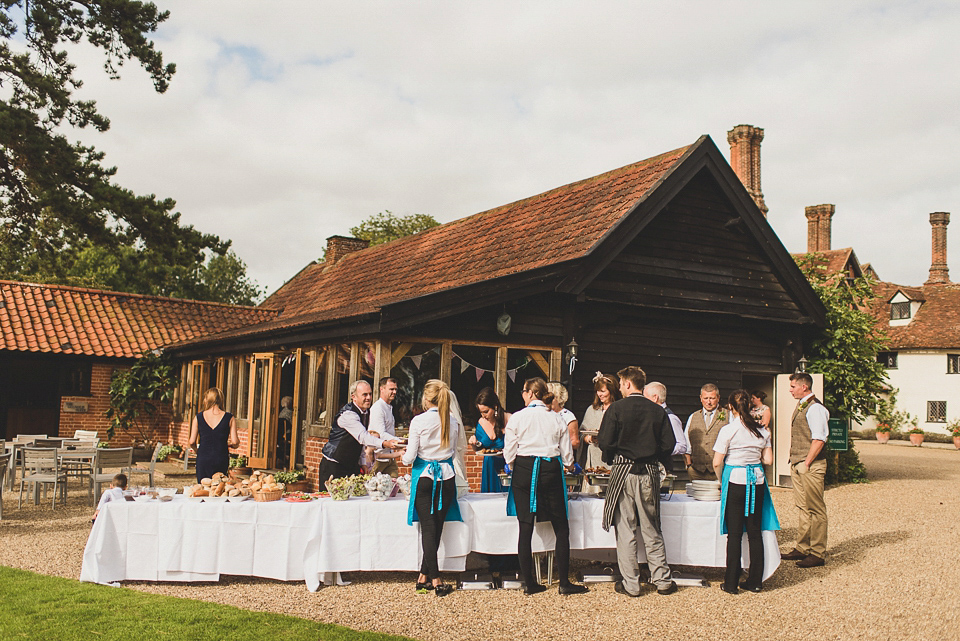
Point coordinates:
[[33, 606]]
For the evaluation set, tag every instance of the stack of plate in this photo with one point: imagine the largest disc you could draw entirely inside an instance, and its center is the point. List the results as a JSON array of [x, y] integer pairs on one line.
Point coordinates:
[[704, 490]]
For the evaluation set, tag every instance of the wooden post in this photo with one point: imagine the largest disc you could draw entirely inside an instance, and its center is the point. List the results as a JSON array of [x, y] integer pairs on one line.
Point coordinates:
[[500, 380], [446, 357]]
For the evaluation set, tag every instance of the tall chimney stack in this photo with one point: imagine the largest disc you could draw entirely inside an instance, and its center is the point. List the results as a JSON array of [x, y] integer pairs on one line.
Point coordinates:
[[340, 246], [938, 264], [745, 159], [819, 223]]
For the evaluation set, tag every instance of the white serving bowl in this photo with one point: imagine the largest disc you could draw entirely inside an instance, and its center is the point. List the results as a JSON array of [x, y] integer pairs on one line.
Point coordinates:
[[166, 491]]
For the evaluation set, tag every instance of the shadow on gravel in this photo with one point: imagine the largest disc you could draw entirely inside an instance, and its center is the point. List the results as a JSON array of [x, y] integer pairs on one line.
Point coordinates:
[[847, 553]]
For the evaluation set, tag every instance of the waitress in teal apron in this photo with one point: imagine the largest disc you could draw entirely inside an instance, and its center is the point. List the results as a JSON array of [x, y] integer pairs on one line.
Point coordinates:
[[743, 446], [431, 448], [536, 440]]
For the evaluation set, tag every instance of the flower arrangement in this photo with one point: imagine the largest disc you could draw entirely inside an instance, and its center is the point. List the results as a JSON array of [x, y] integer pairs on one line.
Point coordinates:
[[291, 476], [237, 461], [721, 415], [883, 428], [167, 450], [915, 430], [954, 427]]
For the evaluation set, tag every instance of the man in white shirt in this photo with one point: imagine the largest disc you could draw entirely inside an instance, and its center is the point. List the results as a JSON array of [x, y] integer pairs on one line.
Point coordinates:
[[382, 424], [808, 467], [349, 435], [657, 392]]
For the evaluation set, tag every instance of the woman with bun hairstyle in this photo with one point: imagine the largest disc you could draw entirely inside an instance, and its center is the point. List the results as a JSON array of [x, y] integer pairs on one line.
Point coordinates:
[[431, 449], [742, 448], [216, 431], [536, 440]]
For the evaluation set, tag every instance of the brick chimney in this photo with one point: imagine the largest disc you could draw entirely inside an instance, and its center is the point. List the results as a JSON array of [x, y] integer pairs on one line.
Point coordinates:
[[938, 264], [819, 219], [745, 159], [340, 246]]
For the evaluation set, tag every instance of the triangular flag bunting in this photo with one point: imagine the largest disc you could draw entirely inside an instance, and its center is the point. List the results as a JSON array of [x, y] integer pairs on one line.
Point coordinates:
[[479, 374], [512, 373], [463, 365], [416, 360]]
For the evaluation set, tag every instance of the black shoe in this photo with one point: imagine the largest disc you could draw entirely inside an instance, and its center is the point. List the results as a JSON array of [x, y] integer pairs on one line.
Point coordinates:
[[426, 585], [619, 589], [443, 589], [573, 588], [729, 591], [793, 555], [749, 588], [534, 588], [670, 589]]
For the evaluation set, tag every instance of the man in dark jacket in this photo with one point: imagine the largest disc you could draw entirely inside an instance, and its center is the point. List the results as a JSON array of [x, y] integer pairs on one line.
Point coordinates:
[[635, 438], [349, 435]]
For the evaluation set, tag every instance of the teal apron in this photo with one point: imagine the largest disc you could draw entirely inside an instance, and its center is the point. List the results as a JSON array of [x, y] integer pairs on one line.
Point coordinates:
[[534, 478], [419, 467], [768, 519]]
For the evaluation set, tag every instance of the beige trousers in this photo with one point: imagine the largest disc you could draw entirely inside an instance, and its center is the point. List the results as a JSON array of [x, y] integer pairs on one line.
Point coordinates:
[[697, 476], [636, 517], [808, 497], [388, 466]]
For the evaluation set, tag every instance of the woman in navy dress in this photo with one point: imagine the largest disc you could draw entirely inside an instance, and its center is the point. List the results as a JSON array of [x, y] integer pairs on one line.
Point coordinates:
[[489, 435], [217, 432]]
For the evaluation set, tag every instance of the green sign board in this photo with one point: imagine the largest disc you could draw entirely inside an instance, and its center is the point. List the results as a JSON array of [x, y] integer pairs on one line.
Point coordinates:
[[839, 429]]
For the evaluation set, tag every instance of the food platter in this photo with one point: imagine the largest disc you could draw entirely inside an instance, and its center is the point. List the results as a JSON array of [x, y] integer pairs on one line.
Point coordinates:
[[491, 452]]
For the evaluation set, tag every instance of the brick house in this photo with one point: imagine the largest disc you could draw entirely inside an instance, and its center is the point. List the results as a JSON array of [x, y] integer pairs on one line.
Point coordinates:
[[59, 347], [668, 263]]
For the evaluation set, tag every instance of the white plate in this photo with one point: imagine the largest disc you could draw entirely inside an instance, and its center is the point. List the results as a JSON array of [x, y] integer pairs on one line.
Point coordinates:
[[214, 499], [237, 499]]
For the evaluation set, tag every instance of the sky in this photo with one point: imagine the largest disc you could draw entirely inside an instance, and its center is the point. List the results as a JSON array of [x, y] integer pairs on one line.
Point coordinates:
[[288, 122]]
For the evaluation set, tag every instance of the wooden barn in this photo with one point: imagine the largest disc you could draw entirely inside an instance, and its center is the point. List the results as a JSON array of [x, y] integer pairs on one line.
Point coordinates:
[[668, 263]]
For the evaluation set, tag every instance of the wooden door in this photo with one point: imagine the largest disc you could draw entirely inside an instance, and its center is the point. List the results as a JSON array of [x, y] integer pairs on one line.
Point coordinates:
[[262, 423]]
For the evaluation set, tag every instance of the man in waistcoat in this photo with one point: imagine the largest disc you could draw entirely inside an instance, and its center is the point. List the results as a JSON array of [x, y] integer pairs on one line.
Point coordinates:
[[701, 432], [808, 466], [657, 392], [349, 435]]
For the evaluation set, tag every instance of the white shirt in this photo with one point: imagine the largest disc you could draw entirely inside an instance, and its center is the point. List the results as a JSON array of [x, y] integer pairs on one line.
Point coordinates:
[[113, 494], [817, 417], [741, 448], [381, 422], [425, 438], [537, 431], [350, 421], [678, 432], [566, 416]]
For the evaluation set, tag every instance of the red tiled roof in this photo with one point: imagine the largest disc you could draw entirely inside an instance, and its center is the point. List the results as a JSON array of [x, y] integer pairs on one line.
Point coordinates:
[[936, 325], [556, 226], [836, 260], [73, 320]]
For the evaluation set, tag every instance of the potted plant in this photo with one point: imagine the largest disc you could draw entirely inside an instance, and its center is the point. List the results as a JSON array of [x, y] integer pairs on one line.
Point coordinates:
[[954, 428], [293, 480], [170, 453], [883, 432], [238, 466], [916, 436]]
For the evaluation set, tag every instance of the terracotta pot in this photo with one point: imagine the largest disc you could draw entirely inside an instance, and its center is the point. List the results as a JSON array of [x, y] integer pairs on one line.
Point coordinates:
[[916, 439], [883, 437], [956, 442]]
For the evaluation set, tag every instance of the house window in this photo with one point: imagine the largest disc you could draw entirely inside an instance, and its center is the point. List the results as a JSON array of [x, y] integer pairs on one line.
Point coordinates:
[[953, 363], [887, 359], [936, 411], [75, 380], [899, 311]]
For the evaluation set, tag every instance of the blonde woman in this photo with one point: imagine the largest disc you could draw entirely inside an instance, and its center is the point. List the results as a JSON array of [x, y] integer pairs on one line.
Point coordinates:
[[216, 431], [560, 397], [431, 450]]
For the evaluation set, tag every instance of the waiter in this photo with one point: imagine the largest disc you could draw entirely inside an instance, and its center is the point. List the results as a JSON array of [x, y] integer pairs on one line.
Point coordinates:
[[349, 435], [808, 466], [635, 437]]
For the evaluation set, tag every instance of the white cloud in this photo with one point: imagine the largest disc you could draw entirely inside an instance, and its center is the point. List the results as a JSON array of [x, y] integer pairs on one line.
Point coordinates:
[[289, 122]]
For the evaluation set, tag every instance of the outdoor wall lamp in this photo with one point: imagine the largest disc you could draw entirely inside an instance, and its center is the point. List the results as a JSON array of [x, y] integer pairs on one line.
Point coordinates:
[[802, 364], [572, 350]]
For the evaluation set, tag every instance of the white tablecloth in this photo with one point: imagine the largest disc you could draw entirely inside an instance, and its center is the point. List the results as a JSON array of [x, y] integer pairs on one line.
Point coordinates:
[[188, 541]]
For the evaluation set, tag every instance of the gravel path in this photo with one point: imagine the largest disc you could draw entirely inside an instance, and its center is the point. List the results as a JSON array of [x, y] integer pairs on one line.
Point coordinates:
[[891, 574]]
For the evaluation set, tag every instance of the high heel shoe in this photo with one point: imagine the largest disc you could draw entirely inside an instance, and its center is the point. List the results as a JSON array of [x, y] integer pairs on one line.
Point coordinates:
[[426, 585], [443, 589]]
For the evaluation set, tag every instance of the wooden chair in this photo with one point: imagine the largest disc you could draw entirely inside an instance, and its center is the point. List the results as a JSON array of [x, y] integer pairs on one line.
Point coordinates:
[[87, 435], [108, 458], [41, 466], [188, 454], [47, 442], [153, 466], [4, 464]]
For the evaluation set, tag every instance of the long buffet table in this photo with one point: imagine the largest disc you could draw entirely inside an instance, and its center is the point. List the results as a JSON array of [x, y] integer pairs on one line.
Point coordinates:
[[187, 541]]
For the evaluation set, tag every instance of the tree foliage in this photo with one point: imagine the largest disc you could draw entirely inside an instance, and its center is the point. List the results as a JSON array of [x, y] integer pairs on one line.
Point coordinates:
[[386, 226], [62, 218], [138, 395], [846, 354]]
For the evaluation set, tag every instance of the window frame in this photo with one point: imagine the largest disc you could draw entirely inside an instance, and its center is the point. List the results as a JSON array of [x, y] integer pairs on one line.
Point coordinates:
[[932, 415], [953, 363], [898, 309], [884, 359]]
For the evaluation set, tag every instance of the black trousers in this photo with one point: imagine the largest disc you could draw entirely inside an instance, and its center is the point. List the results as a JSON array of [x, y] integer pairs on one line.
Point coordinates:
[[561, 528], [337, 470], [431, 525], [735, 520]]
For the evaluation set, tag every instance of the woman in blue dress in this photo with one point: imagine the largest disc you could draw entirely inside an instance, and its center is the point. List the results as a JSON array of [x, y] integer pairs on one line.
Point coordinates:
[[216, 431], [489, 435]]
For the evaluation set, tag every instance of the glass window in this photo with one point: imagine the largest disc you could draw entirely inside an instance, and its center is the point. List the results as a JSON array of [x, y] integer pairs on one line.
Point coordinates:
[[899, 311], [521, 365], [75, 379], [413, 364], [319, 366], [243, 387], [936, 411], [472, 369], [305, 365], [887, 359], [953, 363], [341, 389], [367, 362]]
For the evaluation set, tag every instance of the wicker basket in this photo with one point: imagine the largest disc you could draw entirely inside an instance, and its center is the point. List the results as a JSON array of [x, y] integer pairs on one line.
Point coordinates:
[[266, 497]]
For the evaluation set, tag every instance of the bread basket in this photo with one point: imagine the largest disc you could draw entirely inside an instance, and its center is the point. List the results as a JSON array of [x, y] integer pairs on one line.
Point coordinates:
[[266, 497]]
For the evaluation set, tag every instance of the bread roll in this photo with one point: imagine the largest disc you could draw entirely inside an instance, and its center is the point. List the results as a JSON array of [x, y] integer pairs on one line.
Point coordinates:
[[220, 490], [201, 493], [207, 482], [271, 480], [234, 493]]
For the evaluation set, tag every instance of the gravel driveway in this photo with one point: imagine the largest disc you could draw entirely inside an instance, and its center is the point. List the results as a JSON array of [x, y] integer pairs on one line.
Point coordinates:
[[891, 574]]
